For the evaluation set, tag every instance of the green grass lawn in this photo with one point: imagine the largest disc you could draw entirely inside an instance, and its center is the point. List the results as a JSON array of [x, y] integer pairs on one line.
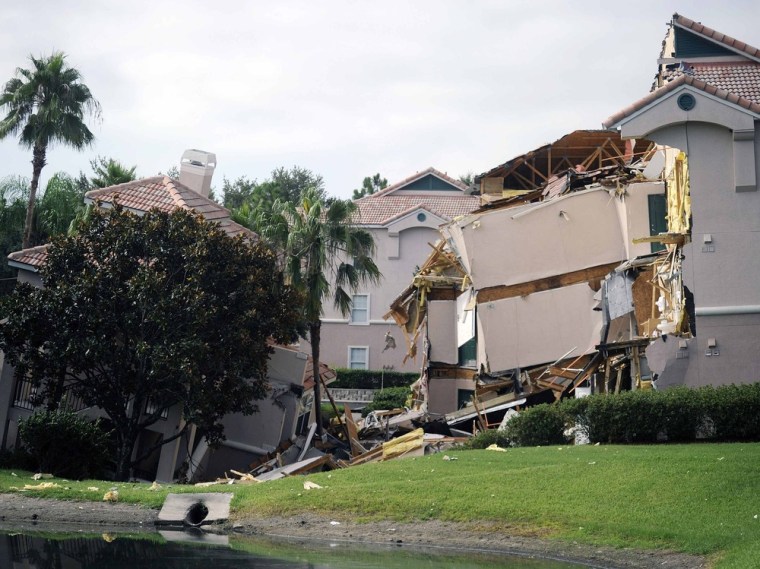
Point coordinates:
[[701, 498]]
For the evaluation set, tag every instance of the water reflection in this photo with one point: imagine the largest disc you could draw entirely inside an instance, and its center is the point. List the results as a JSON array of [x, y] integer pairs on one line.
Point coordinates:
[[180, 550]]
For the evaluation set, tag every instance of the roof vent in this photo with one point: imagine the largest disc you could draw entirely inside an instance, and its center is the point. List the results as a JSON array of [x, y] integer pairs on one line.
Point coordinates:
[[196, 169]]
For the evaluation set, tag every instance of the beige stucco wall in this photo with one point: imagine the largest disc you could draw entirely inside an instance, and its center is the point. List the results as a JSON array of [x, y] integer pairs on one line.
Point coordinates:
[[338, 334], [541, 327], [517, 245], [442, 331], [633, 212], [443, 392], [714, 136]]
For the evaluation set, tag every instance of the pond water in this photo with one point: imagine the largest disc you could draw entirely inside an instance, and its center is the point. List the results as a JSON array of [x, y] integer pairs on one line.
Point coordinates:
[[184, 550]]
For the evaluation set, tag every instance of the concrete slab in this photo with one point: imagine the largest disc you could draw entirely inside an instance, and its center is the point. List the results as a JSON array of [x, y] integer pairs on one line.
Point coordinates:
[[195, 509]]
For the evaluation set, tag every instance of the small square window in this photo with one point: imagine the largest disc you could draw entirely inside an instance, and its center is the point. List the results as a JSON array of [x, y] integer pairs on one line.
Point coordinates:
[[358, 357], [360, 309]]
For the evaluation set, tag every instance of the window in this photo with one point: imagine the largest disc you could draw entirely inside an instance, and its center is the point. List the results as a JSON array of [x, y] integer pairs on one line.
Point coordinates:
[[358, 357], [464, 397], [468, 354], [360, 309], [658, 218]]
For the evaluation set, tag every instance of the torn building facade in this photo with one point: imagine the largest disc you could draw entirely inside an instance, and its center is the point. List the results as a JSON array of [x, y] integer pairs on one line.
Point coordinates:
[[623, 281], [705, 102], [285, 413], [512, 288]]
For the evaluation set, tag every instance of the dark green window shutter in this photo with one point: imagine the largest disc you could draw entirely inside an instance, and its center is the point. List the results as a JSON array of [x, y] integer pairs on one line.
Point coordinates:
[[658, 222]]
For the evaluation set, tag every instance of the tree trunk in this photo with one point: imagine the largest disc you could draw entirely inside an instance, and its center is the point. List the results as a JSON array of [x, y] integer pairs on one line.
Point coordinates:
[[38, 162], [314, 332], [124, 445]]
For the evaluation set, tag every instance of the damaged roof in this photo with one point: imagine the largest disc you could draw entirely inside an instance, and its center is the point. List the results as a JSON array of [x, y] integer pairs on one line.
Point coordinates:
[[588, 148], [707, 60]]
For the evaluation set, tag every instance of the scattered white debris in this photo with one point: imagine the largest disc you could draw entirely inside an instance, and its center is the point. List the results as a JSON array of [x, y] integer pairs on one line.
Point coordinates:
[[333, 523], [309, 485]]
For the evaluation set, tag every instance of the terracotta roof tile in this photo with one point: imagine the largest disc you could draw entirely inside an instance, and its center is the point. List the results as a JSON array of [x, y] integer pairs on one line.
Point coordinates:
[[159, 192], [739, 79], [382, 209], [672, 86], [33, 257], [166, 194], [384, 206]]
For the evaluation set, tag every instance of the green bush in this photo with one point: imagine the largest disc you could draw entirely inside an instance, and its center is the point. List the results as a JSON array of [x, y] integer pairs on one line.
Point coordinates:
[[678, 414], [65, 444], [684, 413], [390, 398], [733, 412], [485, 439], [372, 379], [537, 426]]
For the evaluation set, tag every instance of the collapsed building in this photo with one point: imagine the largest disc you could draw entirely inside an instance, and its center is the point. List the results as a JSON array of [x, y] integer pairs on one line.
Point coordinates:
[[524, 300], [626, 264]]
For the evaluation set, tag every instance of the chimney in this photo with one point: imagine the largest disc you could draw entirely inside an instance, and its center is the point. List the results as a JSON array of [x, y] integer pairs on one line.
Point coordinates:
[[196, 169]]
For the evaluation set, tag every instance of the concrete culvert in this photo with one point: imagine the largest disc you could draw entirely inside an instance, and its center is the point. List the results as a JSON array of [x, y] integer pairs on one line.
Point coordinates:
[[196, 514]]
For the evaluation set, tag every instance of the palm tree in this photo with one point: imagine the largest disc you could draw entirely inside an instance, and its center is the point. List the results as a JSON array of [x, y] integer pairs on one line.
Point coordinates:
[[324, 256], [110, 172], [46, 104]]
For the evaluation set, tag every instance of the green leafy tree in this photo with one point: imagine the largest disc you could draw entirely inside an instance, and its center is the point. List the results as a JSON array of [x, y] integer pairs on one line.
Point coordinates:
[[468, 178], [139, 314], [292, 184], [283, 184], [325, 256], [238, 192], [46, 105], [60, 204], [370, 185], [13, 200], [110, 172]]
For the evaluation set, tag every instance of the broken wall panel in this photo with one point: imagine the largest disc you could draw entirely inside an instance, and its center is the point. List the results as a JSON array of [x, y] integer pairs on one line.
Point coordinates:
[[525, 331], [535, 241], [442, 331]]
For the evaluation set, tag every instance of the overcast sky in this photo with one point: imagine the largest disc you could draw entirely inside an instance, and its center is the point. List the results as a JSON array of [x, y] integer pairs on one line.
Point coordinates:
[[345, 88]]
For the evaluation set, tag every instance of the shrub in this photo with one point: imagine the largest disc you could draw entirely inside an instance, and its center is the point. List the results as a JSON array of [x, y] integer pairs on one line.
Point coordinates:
[[390, 398], [487, 438], [372, 379], [65, 444], [540, 425], [733, 411], [684, 413]]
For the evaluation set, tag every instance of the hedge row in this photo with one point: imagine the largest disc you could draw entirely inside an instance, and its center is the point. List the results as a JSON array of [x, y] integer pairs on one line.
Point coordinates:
[[372, 379], [681, 414]]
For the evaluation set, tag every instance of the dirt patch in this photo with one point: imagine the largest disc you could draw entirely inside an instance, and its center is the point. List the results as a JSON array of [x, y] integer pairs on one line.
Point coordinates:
[[22, 512]]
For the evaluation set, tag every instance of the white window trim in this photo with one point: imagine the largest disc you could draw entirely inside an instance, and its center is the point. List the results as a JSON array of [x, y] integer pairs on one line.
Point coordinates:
[[348, 356], [369, 306]]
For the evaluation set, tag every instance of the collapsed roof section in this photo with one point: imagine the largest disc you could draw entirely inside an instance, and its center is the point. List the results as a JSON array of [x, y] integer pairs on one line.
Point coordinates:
[[579, 151]]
